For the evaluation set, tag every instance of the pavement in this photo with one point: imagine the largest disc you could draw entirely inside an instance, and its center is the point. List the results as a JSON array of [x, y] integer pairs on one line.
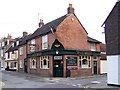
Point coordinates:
[[30, 80]]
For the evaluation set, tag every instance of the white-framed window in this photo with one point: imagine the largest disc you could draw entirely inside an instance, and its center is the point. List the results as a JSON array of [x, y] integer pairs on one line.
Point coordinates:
[[85, 61], [2, 53], [12, 44], [14, 55], [33, 41], [33, 63], [13, 65], [21, 64], [17, 43], [3, 43], [44, 62], [44, 42], [21, 51], [32, 45], [93, 47]]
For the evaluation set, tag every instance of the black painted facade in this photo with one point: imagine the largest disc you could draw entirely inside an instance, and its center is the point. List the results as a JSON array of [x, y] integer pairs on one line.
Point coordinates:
[[112, 28]]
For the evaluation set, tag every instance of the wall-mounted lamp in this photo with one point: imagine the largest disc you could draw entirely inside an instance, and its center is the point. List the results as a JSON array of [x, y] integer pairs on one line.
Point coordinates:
[[57, 52]]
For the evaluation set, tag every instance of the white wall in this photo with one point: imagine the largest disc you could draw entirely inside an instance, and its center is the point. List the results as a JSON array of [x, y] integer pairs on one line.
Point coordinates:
[[103, 66], [113, 63]]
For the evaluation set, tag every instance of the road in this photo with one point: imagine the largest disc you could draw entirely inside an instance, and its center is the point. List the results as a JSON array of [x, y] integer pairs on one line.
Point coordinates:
[[12, 79]]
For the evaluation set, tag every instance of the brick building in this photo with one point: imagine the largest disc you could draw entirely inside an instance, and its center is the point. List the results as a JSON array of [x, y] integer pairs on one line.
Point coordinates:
[[58, 46]]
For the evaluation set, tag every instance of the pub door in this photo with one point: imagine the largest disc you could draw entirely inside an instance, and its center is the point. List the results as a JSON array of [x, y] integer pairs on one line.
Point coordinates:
[[25, 66], [57, 66], [95, 67]]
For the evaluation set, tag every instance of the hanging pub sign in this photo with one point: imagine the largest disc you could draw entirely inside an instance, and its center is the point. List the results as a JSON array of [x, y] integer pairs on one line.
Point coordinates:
[[71, 61]]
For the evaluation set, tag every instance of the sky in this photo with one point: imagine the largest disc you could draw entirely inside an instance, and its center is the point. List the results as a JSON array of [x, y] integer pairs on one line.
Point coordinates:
[[17, 16]]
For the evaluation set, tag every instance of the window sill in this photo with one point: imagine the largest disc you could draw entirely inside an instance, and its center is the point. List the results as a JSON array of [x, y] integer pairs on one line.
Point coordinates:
[[44, 68]]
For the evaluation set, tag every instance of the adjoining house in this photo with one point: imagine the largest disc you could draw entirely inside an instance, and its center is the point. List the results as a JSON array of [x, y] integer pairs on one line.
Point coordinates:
[[103, 59], [60, 46], [22, 52], [11, 56], [5, 44]]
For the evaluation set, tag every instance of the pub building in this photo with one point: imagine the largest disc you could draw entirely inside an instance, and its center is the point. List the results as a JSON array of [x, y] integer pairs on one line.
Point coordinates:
[[61, 45]]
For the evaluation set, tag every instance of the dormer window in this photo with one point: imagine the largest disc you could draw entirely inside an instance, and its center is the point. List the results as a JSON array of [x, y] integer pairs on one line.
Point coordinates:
[[45, 42]]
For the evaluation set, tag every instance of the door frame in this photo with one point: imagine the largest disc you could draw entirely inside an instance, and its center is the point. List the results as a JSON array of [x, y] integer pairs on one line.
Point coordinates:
[[96, 68], [26, 66], [62, 67]]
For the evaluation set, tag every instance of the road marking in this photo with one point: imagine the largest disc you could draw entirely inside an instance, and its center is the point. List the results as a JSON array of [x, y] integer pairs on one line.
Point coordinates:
[[2, 83], [95, 82], [74, 85]]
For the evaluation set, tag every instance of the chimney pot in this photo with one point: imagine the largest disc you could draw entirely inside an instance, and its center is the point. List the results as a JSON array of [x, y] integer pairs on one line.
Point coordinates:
[[25, 34], [41, 23], [70, 9], [70, 5]]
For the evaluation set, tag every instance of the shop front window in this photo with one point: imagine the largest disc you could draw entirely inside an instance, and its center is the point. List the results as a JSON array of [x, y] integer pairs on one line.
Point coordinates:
[[84, 61], [33, 63], [44, 62]]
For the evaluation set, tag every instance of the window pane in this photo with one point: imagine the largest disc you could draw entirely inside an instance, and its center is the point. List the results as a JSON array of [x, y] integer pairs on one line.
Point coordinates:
[[48, 64], [93, 48], [89, 64], [84, 61], [44, 62], [33, 62], [80, 63], [44, 42]]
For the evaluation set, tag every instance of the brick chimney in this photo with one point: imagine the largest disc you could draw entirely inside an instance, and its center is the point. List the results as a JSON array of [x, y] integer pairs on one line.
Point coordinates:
[[9, 36], [41, 23], [70, 9], [25, 34]]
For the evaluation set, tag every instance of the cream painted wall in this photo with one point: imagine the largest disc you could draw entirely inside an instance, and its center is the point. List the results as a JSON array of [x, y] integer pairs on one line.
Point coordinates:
[[103, 66]]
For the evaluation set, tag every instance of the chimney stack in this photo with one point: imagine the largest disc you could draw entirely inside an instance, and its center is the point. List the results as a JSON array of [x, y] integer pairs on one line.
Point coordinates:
[[9, 36], [25, 34], [70, 9], [41, 23]]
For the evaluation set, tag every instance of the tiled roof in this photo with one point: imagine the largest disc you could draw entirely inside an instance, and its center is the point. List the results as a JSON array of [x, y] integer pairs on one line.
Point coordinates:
[[93, 40], [23, 40], [12, 49], [45, 29]]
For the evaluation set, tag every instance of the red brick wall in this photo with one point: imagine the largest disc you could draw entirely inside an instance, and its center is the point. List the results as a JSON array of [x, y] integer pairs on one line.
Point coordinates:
[[42, 72], [22, 57], [71, 34], [38, 42], [28, 46], [97, 47], [51, 39]]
